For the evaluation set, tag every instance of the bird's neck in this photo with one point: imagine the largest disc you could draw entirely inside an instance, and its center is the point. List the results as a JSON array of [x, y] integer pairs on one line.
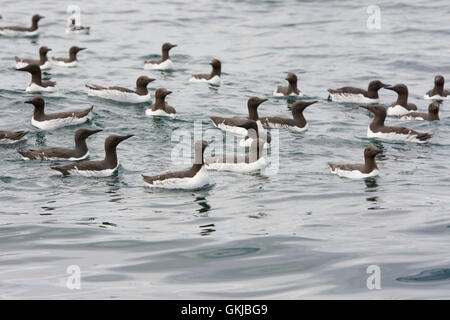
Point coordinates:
[[370, 164], [72, 56], [38, 113], [293, 88], [402, 100], [372, 93], [215, 72], [165, 55], [299, 118], [142, 90], [438, 90], [378, 121], [36, 78], [43, 58], [253, 113], [34, 25], [111, 157], [81, 146], [160, 103]]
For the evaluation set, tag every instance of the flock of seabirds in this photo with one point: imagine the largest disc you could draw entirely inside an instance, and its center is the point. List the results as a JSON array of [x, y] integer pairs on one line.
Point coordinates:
[[253, 128]]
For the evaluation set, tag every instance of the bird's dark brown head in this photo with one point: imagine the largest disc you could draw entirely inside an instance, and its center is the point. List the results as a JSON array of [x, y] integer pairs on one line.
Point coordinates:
[[291, 78], [43, 50], [439, 81], [75, 49], [299, 106], [167, 46], [371, 152], [37, 102], [216, 64], [161, 93], [83, 133], [399, 88], [36, 18], [31, 68], [434, 107], [254, 102], [377, 85], [143, 81], [113, 141]]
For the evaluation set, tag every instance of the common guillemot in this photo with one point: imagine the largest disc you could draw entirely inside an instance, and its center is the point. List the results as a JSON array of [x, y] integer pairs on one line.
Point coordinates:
[[211, 78], [164, 63], [377, 129], [291, 89], [432, 115], [43, 62], [232, 124], [401, 106], [193, 178], [242, 163], [438, 92], [358, 171], [298, 123], [14, 31], [68, 62], [123, 94], [356, 95], [10, 137], [56, 120], [102, 168], [37, 84], [160, 106], [80, 152]]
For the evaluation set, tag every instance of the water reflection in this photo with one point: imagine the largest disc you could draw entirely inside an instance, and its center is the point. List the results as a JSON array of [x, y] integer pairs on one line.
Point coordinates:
[[113, 184], [206, 230], [372, 189], [40, 138], [204, 206]]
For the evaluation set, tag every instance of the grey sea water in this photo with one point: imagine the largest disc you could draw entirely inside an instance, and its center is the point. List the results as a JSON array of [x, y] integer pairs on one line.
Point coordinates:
[[301, 233]]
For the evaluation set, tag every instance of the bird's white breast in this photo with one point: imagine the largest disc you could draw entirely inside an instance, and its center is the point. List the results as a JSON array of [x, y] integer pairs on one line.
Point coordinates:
[[435, 97], [393, 136], [158, 113], [397, 110], [120, 96], [351, 98], [215, 164], [60, 122], [93, 173], [165, 65], [65, 64], [33, 87], [15, 33], [354, 174], [199, 180], [280, 94], [214, 80]]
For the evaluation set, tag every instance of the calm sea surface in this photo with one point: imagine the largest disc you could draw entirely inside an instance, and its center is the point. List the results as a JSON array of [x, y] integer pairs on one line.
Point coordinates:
[[300, 233]]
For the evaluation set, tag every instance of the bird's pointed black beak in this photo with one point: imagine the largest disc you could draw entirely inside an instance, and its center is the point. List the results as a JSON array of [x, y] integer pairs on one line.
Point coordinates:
[[95, 131], [122, 138], [365, 107], [312, 102], [389, 87], [29, 101]]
